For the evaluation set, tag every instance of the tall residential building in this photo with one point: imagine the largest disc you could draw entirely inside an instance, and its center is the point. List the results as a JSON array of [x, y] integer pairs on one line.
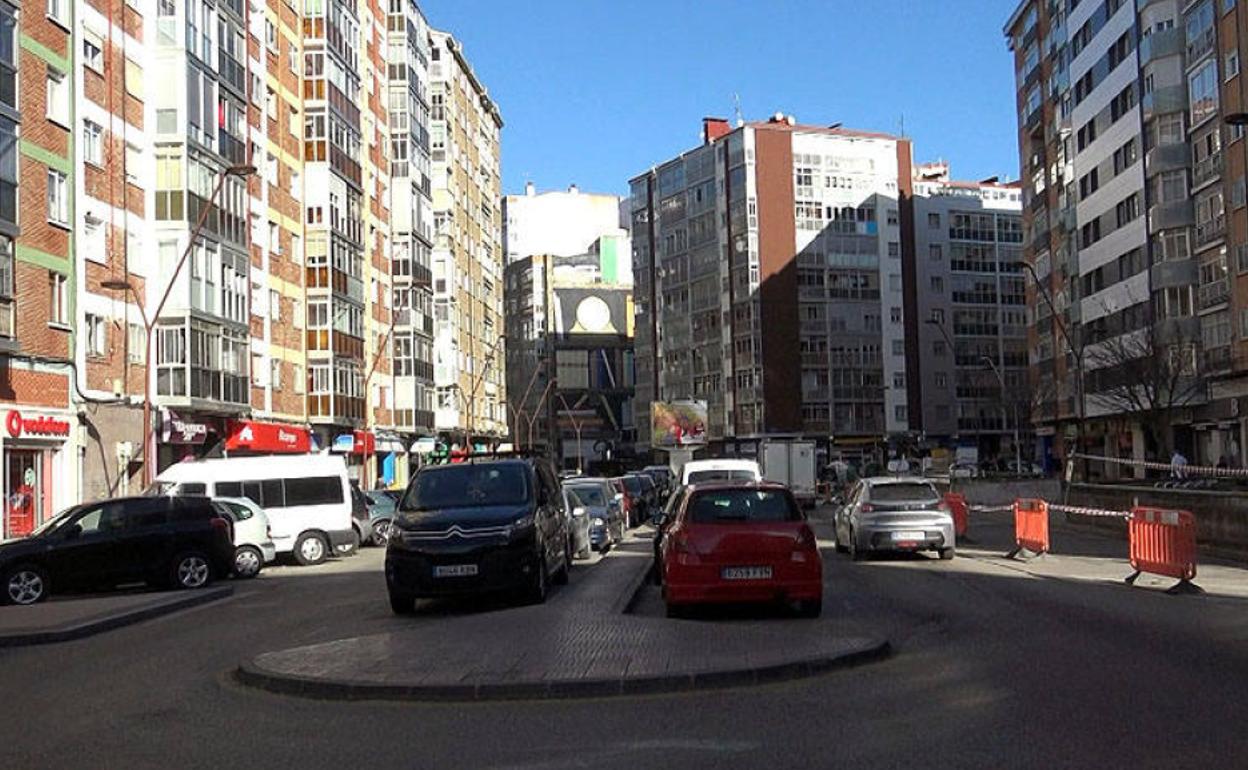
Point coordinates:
[[769, 282], [411, 219], [465, 124], [1134, 221], [560, 223], [969, 294]]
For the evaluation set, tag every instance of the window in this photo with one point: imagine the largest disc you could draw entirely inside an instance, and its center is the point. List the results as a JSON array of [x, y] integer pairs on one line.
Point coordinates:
[[275, 374], [92, 51], [938, 316], [1241, 258], [300, 384], [935, 252], [321, 490], [1231, 68], [270, 36], [270, 103], [933, 221], [58, 97], [92, 143], [894, 315], [134, 79], [892, 216], [899, 411], [899, 347], [58, 198], [132, 164], [58, 11], [137, 344], [942, 380], [1237, 192], [258, 370], [97, 336], [894, 249], [58, 300], [1202, 92], [938, 348]]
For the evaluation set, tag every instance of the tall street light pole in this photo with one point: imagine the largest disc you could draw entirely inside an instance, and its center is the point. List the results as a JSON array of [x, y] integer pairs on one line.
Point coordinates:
[[149, 322], [394, 316], [576, 428], [472, 397]]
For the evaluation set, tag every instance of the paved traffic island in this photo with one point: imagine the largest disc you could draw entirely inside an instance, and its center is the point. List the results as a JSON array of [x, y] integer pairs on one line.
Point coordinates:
[[579, 645]]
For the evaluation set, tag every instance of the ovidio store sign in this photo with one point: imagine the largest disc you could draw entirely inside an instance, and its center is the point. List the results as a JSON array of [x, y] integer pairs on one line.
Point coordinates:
[[17, 426]]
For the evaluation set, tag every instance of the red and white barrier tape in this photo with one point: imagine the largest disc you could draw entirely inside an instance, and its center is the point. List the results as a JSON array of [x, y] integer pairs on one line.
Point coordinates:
[[1180, 471], [990, 508], [1057, 508]]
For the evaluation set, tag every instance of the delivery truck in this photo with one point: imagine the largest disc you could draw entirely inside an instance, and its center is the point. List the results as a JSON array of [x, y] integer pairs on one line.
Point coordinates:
[[790, 462]]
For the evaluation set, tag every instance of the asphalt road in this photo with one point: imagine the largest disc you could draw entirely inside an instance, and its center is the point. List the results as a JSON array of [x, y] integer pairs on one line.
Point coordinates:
[[993, 668]]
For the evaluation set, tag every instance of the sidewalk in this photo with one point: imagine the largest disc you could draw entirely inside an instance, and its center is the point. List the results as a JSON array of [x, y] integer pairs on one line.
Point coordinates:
[[580, 644], [63, 620]]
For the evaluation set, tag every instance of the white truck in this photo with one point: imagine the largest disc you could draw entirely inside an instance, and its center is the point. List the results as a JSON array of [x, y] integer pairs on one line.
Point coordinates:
[[790, 462]]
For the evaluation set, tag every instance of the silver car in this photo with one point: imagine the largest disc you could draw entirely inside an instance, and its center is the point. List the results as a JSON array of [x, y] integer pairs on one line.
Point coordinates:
[[578, 523], [253, 544], [604, 510], [894, 514]]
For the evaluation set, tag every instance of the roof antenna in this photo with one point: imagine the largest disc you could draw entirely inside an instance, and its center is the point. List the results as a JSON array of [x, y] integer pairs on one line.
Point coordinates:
[[736, 101], [902, 125]]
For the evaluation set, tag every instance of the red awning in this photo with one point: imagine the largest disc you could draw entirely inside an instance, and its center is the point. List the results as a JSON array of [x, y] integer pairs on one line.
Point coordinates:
[[365, 443], [266, 437]]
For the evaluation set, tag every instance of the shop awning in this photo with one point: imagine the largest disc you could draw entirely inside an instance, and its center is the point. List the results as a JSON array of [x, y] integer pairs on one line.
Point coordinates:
[[266, 437], [388, 443], [425, 445], [357, 443]]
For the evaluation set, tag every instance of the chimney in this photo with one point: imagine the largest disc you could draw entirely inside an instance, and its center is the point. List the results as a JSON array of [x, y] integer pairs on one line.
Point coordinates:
[[714, 128], [529, 189]]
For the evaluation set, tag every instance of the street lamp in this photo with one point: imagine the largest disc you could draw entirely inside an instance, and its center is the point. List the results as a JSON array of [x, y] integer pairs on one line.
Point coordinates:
[[472, 396], [1018, 452], [149, 322], [576, 427]]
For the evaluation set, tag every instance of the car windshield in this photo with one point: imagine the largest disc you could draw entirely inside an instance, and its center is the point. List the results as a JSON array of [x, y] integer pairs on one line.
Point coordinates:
[[55, 521], [633, 484], [737, 505], [903, 492], [720, 474], [466, 486], [589, 495]]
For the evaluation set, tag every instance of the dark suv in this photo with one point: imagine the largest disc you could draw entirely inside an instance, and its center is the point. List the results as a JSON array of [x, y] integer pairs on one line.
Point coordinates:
[[182, 542], [487, 525]]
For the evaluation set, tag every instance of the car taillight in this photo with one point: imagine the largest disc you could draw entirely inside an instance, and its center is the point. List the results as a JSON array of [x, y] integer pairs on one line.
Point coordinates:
[[806, 540], [867, 508], [225, 525]]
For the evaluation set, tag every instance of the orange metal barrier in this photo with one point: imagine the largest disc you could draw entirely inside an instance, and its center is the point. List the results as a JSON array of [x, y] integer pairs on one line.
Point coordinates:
[[1163, 542], [1031, 526], [960, 510]]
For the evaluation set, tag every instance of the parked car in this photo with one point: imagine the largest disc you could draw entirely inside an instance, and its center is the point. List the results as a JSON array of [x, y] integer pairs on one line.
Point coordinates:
[[578, 523], [638, 497], [662, 521], [1025, 469], [382, 504], [604, 510], [964, 471], [361, 521], [178, 542], [894, 514], [253, 543], [306, 497], [485, 525], [662, 476], [741, 542], [702, 471], [654, 500], [625, 499]]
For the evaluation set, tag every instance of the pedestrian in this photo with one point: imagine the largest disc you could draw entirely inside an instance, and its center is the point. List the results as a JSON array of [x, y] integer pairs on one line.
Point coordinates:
[[1177, 464]]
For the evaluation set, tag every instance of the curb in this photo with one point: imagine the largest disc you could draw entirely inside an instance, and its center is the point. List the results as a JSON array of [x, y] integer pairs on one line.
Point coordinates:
[[111, 622], [252, 675]]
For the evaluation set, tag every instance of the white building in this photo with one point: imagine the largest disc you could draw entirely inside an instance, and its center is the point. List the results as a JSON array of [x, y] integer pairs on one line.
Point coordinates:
[[560, 223]]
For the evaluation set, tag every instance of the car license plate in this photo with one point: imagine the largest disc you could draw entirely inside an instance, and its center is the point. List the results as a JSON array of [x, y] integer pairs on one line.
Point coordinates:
[[746, 573], [908, 536], [455, 570]]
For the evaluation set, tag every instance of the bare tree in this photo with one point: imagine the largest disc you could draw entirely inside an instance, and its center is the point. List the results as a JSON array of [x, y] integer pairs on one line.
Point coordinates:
[[1147, 374]]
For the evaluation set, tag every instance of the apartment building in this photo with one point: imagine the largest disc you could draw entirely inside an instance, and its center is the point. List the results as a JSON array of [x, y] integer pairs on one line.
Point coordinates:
[[563, 223], [768, 272], [465, 125], [969, 381], [1134, 222]]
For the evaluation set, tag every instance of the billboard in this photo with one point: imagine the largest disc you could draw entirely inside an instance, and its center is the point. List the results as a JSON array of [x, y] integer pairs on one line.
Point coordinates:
[[593, 310], [678, 424]]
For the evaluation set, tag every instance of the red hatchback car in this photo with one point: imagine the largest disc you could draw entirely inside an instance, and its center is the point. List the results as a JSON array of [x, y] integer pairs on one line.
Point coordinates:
[[741, 542]]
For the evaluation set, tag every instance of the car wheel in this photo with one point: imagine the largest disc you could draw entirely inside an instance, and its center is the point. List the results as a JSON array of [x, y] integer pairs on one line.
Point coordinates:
[[25, 585], [538, 586], [836, 541], [560, 578], [810, 608], [248, 561], [946, 554], [352, 545], [381, 532], [402, 604], [855, 553], [191, 570], [311, 548]]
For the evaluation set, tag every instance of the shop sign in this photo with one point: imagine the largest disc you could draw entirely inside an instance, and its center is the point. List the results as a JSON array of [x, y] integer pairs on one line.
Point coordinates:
[[42, 427], [356, 443], [178, 430], [267, 437]]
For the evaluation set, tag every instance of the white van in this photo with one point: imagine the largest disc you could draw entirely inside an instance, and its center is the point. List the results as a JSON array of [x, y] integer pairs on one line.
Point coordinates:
[[724, 469], [306, 497]]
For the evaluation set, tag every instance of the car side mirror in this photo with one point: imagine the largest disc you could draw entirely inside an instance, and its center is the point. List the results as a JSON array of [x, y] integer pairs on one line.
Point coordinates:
[[578, 512]]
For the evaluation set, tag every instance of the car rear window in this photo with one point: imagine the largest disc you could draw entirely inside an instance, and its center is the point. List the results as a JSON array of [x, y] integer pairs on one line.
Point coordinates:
[[903, 492], [737, 505], [589, 495], [467, 486], [701, 477], [633, 484]]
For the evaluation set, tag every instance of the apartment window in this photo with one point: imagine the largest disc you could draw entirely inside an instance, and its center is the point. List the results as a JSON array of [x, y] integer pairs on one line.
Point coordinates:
[[58, 11], [275, 305], [933, 221], [1172, 186], [258, 370], [132, 164], [938, 284], [270, 36], [1170, 129], [938, 348], [270, 103], [300, 383], [97, 336], [942, 380], [137, 344], [58, 299], [58, 198], [1202, 92], [92, 51], [1237, 193], [275, 374], [894, 249], [58, 96], [92, 143], [899, 347], [899, 380], [275, 238], [899, 411], [1127, 210], [1241, 259], [1124, 157], [938, 316], [1231, 66], [892, 216], [134, 79], [935, 252]]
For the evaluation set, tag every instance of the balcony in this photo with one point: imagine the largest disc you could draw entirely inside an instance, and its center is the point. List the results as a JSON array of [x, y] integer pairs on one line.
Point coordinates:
[[1168, 42], [1215, 359], [1210, 230], [1206, 169], [1067, 219], [1213, 294], [1174, 273], [1166, 216], [1201, 45], [1164, 100], [1167, 157]]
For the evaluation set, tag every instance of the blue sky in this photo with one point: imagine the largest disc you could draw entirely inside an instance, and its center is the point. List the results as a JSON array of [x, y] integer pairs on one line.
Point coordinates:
[[596, 91]]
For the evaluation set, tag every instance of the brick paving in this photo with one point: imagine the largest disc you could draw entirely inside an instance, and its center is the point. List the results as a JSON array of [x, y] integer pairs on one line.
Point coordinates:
[[579, 643]]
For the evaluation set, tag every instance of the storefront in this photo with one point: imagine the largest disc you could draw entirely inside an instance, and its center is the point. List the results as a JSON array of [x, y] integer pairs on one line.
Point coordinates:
[[186, 437], [251, 437], [354, 447], [39, 472]]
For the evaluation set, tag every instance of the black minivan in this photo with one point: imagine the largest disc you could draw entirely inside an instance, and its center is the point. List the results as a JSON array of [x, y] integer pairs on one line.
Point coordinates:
[[486, 525], [182, 542]]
